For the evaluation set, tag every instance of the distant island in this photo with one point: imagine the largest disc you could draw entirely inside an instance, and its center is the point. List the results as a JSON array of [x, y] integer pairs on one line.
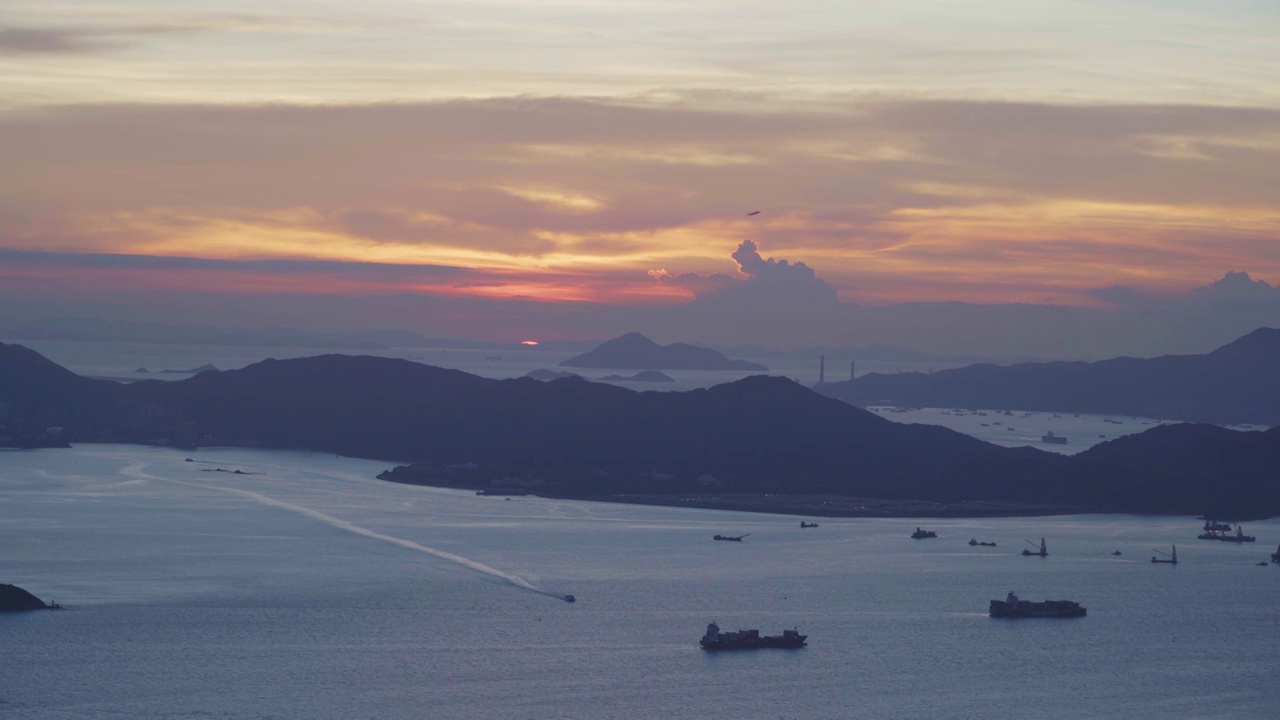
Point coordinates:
[[761, 443], [1237, 383], [634, 351], [15, 599], [642, 376], [207, 367], [545, 375]]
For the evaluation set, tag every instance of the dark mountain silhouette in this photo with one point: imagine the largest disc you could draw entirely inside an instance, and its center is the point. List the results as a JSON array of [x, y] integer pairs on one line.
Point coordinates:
[[1223, 473], [634, 351], [1237, 383], [26, 376], [761, 436]]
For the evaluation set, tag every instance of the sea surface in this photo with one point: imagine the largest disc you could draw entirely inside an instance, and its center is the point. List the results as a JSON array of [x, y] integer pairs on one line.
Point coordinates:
[[306, 588]]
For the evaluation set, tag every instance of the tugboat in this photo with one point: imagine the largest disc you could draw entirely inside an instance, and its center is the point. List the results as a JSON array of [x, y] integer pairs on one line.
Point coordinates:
[[1168, 559], [922, 534], [1052, 439], [730, 538], [804, 525], [1225, 536], [973, 542], [1042, 552], [749, 639], [1012, 607]]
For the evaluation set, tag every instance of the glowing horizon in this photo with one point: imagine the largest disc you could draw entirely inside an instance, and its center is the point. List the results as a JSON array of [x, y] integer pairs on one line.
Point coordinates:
[[995, 153]]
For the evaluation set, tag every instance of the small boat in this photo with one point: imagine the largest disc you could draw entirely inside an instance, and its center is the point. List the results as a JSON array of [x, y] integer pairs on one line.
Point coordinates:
[[1042, 552], [570, 598], [1261, 564], [1117, 552], [730, 538], [804, 524], [973, 542], [1168, 559], [922, 534]]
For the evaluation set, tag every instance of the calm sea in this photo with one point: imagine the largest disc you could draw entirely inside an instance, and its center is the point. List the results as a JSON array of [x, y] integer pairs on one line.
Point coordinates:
[[309, 589]]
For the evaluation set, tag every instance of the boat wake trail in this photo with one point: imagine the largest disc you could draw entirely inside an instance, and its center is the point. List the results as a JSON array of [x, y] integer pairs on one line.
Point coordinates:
[[350, 527]]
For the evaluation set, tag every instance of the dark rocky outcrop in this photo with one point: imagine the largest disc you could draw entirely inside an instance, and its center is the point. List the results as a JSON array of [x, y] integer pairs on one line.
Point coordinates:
[[634, 351], [15, 599]]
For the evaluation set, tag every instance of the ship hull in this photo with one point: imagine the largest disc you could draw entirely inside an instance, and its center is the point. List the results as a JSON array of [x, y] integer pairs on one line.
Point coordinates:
[[1027, 609], [762, 643], [1227, 538]]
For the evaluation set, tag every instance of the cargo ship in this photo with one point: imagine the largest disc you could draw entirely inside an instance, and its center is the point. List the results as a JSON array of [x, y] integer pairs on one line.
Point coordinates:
[[1052, 439], [922, 534], [749, 639], [1012, 607], [974, 542], [1238, 537]]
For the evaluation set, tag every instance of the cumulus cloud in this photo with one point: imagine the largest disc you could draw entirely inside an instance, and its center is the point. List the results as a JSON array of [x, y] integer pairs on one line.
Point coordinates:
[[1234, 292], [695, 284], [771, 271], [767, 279], [1238, 290]]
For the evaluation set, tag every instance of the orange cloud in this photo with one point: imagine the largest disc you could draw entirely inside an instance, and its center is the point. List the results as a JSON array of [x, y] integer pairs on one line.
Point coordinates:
[[575, 201]]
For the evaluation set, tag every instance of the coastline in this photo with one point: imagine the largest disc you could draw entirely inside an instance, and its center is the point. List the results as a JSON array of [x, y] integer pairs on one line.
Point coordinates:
[[833, 506], [837, 506]]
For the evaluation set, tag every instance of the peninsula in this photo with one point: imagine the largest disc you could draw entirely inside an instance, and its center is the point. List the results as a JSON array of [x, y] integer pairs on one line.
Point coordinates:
[[1237, 383], [762, 442]]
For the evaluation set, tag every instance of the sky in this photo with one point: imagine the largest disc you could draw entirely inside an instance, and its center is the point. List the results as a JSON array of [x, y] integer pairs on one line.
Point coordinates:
[[1035, 177]]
